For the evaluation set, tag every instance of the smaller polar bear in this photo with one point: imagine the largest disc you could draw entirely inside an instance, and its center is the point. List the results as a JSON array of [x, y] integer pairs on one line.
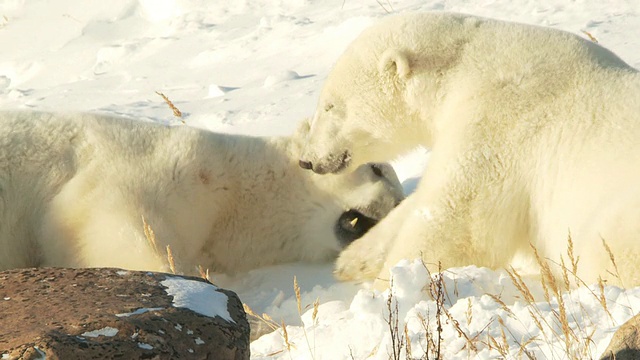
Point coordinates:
[[534, 133], [74, 190]]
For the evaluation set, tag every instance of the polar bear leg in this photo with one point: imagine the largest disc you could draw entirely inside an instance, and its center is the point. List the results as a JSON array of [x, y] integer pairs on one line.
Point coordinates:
[[436, 224]]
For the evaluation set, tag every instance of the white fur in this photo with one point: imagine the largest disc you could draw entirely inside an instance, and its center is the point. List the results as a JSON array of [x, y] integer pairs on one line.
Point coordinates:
[[74, 189], [534, 132]]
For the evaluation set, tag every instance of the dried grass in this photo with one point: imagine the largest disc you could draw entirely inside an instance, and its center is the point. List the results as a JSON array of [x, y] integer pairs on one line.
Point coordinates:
[[591, 37], [150, 236], [171, 260], [176, 112], [563, 324]]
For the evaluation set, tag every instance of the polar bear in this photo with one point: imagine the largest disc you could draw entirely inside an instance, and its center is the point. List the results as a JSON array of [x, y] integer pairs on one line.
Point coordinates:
[[74, 189], [534, 136]]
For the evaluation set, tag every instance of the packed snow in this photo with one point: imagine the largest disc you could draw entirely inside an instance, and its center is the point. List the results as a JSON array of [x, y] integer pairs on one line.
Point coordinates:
[[256, 68], [198, 296], [105, 331], [139, 311]]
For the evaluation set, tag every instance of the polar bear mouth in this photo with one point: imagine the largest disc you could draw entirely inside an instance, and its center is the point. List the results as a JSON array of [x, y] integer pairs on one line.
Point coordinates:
[[352, 225], [333, 165]]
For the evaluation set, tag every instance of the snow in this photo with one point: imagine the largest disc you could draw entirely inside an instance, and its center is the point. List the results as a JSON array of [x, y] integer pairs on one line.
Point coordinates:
[[139, 311], [106, 331], [256, 68], [41, 354], [145, 346], [197, 296]]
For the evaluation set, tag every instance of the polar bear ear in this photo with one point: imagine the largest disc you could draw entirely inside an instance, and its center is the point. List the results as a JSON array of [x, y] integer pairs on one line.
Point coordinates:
[[395, 61]]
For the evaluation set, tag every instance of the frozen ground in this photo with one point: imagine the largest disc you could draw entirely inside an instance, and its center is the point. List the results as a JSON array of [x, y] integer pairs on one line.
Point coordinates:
[[256, 67]]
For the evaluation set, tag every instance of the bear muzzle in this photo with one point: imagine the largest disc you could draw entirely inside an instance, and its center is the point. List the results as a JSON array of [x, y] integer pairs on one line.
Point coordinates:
[[333, 164]]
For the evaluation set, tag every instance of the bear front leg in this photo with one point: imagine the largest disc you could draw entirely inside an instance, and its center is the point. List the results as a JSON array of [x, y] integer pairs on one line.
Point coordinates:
[[437, 225]]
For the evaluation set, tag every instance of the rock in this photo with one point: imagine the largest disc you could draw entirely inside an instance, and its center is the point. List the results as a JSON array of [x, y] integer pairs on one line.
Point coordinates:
[[625, 344], [110, 313]]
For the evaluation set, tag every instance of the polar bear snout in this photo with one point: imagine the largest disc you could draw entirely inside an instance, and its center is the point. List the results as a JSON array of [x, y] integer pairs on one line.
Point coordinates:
[[332, 164], [352, 225]]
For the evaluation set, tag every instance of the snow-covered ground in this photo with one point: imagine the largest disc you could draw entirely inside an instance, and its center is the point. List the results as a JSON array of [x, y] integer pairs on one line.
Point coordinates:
[[256, 67]]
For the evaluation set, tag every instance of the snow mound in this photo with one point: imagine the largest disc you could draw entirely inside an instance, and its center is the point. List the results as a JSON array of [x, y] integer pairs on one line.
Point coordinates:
[[280, 77]]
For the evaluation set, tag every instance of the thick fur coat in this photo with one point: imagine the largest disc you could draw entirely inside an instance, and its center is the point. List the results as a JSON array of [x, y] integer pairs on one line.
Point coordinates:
[[75, 188]]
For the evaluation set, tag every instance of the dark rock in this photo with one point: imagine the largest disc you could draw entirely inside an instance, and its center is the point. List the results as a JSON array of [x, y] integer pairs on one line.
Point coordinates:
[[87, 314], [625, 344]]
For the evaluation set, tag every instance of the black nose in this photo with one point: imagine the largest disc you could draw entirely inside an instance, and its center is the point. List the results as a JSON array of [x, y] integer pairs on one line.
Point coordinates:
[[305, 164]]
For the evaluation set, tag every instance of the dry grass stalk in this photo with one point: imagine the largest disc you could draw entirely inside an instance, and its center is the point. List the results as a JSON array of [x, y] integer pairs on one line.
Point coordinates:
[[264, 318], [150, 235], [523, 348], [437, 292], [535, 319], [545, 272], [204, 274], [314, 315], [495, 345], [171, 260], [397, 339], [407, 343], [469, 312], [503, 337], [565, 275], [296, 290], [430, 345], [470, 342], [613, 261], [548, 280], [503, 306], [602, 299], [314, 318], [176, 112], [517, 281], [572, 258], [285, 336], [591, 37], [388, 8], [564, 323]]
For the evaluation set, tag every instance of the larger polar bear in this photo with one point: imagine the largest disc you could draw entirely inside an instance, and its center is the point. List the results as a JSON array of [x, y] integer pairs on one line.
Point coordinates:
[[74, 190], [534, 132]]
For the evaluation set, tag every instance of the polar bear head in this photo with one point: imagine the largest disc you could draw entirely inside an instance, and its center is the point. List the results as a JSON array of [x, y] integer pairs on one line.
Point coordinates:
[[347, 204], [372, 105]]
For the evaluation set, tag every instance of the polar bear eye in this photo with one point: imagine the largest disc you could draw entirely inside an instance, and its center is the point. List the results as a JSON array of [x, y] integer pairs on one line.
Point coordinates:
[[328, 107]]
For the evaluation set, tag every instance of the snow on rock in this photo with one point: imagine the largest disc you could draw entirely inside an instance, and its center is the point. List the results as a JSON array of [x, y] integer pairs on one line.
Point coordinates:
[[139, 311], [198, 296], [145, 346], [105, 331]]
